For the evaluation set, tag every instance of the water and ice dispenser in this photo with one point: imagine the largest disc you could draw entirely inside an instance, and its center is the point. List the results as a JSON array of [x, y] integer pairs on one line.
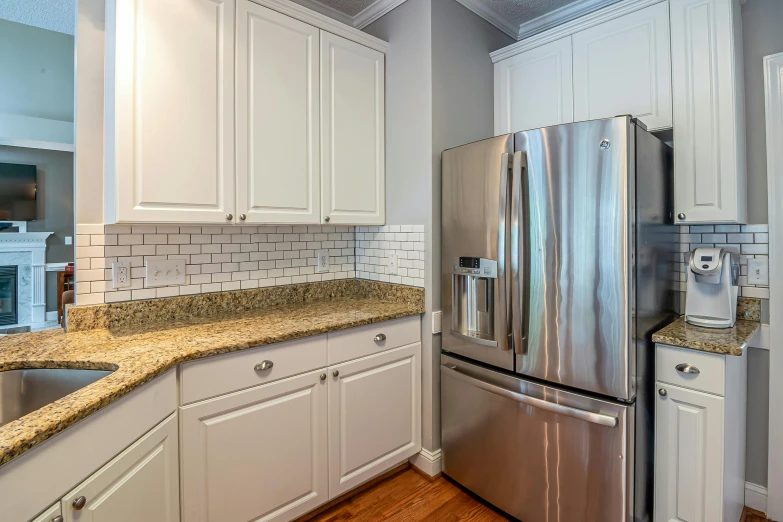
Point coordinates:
[[473, 288]]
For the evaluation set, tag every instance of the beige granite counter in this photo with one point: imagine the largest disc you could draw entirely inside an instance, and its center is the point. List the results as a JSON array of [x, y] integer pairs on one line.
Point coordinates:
[[727, 341], [141, 340]]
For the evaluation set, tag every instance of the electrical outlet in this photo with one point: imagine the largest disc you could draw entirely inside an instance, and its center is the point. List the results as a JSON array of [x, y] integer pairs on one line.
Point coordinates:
[[323, 261], [436, 321], [163, 272], [392, 267], [120, 274], [758, 272], [69, 240]]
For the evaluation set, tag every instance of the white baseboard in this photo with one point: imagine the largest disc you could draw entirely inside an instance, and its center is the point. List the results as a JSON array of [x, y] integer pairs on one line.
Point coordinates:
[[756, 497], [428, 462], [51, 316]]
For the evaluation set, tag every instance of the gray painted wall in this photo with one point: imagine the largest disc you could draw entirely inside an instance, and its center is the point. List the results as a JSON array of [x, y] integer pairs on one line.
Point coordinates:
[[55, 205], [37, 72], [762, 30]]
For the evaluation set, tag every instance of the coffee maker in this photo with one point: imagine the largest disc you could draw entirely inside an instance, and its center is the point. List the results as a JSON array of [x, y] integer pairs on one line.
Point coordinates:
[[712, 276]]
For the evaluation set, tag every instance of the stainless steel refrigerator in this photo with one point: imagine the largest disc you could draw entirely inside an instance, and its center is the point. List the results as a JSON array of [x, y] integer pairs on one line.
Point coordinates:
[[557, 268]]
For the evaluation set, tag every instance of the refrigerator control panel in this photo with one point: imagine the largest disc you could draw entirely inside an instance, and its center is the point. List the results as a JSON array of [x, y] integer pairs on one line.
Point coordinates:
[[476, 266]]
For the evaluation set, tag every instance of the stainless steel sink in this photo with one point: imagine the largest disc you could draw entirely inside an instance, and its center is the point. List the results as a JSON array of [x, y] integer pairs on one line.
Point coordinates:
[[24, 391]]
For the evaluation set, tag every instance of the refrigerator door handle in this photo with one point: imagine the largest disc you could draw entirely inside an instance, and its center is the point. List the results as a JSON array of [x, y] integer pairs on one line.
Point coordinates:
[[502, 337], [588, 416], [517, 255]]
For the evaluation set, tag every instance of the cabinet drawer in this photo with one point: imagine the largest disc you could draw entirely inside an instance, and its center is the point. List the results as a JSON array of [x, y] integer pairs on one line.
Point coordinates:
[[358, 342], [234, 371], [711, 369]]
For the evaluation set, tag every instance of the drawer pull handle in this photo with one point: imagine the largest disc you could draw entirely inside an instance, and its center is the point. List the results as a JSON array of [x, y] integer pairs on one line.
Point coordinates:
[[58, 518], [335, 373], [264, 365], [380, 337], [323, 377], [79, 503], [687, 368], [662, 392]]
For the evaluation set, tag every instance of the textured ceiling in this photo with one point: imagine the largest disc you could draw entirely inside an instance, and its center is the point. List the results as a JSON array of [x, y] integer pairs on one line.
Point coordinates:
[[521, 11], [349, 7], [55, 15]]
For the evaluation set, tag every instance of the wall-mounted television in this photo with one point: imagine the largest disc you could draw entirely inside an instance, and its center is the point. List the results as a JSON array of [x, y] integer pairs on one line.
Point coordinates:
[[17, 192]]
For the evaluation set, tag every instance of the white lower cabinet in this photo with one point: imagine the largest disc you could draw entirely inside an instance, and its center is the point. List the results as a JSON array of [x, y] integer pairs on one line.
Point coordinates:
[[256, 454], [699, 436], [141, 483], [374, 415], [52, 514]]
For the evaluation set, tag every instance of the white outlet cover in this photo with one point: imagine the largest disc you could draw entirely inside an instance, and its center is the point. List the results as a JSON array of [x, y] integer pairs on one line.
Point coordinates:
[[120, 274], [436, 321], [393, 263], [69, 240], [758, 272], [164, 272], [323, 261]]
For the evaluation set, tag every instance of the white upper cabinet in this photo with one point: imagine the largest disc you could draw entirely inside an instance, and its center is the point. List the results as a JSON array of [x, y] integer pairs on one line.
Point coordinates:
[[278, 154], [534, 88], [169, 111], [623, 67], [709, 111], [352, 132]]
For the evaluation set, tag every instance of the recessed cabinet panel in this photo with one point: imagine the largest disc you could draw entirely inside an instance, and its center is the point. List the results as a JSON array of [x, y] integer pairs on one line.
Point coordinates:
[[534, 89], [352, 132], [709, 119], [374, 416], [278, 154], [623, 67], [257, 454], [688, 455], [170, 110], [142, 483]]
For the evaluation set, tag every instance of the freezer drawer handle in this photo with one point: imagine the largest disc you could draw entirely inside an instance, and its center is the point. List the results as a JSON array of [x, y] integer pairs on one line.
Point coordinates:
[[595, 418]]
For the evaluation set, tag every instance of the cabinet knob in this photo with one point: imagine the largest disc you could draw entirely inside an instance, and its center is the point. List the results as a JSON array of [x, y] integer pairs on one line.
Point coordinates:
[[79, 503], [680, 216], [380, 337], [662, 392], [326, 219], [229, 217], [323, 376], [263, 365], [58, 518], [687, 368], [335, 373], [242, 217]]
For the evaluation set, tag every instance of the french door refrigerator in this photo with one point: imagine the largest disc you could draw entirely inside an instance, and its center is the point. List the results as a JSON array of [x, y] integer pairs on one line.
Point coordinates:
[[556, 268]]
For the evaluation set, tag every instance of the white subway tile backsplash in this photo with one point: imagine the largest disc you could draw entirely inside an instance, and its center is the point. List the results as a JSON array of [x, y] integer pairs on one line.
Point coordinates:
[[233, 258]]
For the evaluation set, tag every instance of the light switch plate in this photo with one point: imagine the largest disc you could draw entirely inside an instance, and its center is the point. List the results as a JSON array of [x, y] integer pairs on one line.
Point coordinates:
[[758, 272], [393, 263], [323, 261], [164, 272], [120, 274], [436, 321]]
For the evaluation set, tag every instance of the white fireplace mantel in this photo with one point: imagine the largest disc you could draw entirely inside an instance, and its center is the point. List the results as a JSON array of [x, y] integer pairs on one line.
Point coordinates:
[[35, 243]]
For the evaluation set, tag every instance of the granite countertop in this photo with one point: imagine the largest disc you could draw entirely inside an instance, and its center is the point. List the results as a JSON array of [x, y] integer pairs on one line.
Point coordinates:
[[727, 341], [128, 339]]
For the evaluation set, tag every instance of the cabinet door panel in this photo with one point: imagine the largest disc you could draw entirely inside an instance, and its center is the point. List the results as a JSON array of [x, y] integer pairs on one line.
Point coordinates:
[[352, 132], [49, 515], [709, 120], [170, 110], [374, 416], [623, 67], [257, 454], [688, 455], [142, 483], [278, 154], [534, 89]]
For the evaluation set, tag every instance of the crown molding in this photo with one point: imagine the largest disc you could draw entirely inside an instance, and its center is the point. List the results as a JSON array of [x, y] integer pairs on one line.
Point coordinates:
[[490, 15], [374, 11], [560, 16], [325, 10], [587, 21]]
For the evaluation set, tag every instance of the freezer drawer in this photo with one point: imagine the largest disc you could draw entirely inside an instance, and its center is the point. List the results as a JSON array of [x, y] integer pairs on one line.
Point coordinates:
[[539, 453]]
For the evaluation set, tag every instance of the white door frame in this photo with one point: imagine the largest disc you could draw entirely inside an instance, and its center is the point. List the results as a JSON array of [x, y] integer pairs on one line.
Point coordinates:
[[773, 98]]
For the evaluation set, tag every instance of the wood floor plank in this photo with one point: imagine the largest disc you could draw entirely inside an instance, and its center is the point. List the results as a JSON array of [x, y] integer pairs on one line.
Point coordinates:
[[409, 497]]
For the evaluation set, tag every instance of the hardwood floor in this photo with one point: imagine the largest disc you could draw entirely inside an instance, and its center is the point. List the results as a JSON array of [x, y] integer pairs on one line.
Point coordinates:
[[409, 497]]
